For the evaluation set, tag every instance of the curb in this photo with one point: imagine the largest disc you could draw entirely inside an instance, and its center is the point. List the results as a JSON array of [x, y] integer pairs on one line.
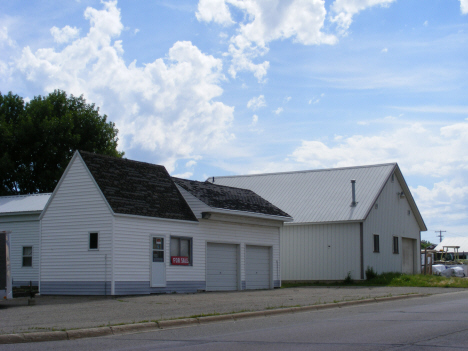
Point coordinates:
[[178, 323]]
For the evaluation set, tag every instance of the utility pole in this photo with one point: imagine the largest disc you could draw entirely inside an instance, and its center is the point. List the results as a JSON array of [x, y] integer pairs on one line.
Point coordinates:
[[440, 234]]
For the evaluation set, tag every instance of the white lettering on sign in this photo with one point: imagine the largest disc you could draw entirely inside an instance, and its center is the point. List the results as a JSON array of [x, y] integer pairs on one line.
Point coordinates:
[[180, 260]]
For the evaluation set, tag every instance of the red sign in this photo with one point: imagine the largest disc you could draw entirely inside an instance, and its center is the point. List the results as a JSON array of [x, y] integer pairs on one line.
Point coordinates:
[[180, 260]]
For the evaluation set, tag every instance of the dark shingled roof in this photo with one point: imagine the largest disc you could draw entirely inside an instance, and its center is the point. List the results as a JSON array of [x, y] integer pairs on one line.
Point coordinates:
[[137, 188], [229, 198]]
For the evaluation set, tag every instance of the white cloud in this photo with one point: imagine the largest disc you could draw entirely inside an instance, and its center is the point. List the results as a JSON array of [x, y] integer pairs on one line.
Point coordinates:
[[344, 10], [384, 50], [185, 175], [418, 150], [214, 10], [299, 20], [278, 110], [287, 99], [426, 23], [65, 34], [165, 106], [254, 121], [464, 6], [5, 38], [256, 102], [191, 163]]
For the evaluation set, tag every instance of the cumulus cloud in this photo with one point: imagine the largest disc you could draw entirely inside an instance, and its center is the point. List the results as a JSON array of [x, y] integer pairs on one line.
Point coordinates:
[[344, 10], [464, 6], [65, 34], [214, 11], [256, 102], [418, 149], [165, 106], [299, 20]]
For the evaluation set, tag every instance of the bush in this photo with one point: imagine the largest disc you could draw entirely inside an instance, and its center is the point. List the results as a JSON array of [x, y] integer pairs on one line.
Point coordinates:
[[370, 273], [348, 280]]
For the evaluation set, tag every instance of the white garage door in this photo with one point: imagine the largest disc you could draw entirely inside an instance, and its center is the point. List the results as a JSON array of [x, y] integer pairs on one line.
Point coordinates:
[[221, 267], [257, 268], [408, 255]]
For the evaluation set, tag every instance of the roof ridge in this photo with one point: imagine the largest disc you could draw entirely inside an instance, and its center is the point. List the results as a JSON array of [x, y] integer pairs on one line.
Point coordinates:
[[119, 158], [219, 185], [306, 171]]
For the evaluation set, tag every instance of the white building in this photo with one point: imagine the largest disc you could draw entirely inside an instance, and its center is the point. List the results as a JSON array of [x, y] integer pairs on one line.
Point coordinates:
[[332, 233], [117, 227], [20, 216]]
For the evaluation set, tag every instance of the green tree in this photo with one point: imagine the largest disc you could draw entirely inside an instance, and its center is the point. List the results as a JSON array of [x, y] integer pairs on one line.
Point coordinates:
[[425, 243], [38, 139]]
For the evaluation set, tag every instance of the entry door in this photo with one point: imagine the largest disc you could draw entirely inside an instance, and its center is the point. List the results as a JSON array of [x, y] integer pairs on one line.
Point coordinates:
[[408, 255], [158, 264]]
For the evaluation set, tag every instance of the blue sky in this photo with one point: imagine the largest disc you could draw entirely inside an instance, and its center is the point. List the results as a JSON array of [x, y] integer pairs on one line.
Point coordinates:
[[221, 87]]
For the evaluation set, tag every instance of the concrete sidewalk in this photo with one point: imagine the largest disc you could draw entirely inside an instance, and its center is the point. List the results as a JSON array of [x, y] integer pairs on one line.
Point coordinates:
[[52, 313]]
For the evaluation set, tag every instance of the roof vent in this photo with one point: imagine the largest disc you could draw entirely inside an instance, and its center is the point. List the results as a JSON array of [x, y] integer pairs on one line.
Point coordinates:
[[353, 189]]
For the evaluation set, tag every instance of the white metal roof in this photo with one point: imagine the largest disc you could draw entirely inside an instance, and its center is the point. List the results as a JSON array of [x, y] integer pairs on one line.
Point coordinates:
[[457, 241], [322, 195], [23, 203]]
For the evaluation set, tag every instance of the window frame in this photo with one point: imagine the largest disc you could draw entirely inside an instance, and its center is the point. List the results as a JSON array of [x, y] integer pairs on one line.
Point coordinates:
[[376, 243], [23, 256], [190, 240], [89, 241], [395, 248]]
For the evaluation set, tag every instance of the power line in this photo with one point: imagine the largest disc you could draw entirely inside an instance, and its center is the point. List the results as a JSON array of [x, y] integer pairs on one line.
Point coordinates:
[[440, 234]]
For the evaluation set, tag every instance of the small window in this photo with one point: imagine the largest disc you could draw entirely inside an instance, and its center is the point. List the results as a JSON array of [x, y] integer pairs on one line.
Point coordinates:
[[393, 177], [376, 206], [395, 245], [409, 212], [158, 249], [27, 256], [181, 251], [93, 241], [376, 243]]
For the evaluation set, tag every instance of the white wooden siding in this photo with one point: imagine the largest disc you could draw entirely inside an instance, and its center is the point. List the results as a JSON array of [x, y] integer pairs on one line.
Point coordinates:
[[320, 252], [132, 255], [77, 208], [24, 232], [389, 219]]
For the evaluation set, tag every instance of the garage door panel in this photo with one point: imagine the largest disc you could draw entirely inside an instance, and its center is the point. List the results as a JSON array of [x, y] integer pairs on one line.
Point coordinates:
[[221, 267], [258, 265]]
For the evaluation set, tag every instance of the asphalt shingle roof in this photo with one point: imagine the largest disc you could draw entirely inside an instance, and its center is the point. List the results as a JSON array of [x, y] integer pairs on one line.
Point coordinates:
[[137, 188], [229, 198]]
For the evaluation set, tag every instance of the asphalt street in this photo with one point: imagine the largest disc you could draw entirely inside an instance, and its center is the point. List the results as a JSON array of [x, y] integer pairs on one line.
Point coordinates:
[[71, 312], [436, 322]]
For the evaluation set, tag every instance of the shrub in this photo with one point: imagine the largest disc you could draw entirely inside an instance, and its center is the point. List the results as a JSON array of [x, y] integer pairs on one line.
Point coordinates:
[[348, 280], [370, 273]]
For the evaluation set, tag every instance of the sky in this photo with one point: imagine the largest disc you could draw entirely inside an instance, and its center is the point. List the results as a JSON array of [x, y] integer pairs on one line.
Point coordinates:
[[226, 87]]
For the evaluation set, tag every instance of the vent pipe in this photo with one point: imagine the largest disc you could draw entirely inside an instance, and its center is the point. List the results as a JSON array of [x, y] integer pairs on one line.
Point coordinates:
[[353, 189]]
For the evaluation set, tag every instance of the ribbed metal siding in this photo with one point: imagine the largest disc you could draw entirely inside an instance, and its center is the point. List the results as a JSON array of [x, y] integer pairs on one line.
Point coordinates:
[[221, 267], [257, 267], [317, 196]]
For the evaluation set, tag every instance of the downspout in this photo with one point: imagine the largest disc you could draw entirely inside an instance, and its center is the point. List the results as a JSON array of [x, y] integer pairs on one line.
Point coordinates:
[[112, 257], [361, 239]]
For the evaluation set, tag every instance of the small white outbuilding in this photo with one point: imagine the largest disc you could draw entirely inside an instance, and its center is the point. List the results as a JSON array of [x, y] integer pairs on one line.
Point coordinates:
[[20, 216], [345, 220], [118, 227]]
